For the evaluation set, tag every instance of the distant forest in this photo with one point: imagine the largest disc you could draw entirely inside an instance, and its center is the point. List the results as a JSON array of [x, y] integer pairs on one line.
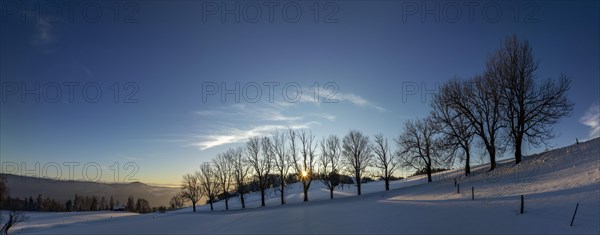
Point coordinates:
[[78, 203]]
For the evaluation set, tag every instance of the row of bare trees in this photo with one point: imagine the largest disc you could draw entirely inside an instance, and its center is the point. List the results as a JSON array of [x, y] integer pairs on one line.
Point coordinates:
[[266, 161], [503, 108]]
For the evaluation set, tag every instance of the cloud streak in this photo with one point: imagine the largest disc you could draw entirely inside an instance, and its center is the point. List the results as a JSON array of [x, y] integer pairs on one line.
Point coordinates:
[[591, 118], [44, 32], [237, 122], [235, 135], [324, 96], [357, 100], [243, 112]]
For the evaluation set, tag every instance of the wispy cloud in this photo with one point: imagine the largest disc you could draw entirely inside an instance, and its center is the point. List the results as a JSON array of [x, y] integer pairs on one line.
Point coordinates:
[[242, 111], [324, 96], [591, 118], [235, 135], [324, 116], [237, 122], [357, 100], [44, 32], [85, 70]]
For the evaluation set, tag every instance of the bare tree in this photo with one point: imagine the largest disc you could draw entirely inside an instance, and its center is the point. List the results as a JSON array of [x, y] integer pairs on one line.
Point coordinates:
[[209, 183], [305, 167], [357, 154], [261, 164], [224, 174], [329, 160], [418, 145], [241, 168], [176, 201], [479, 100], [454, 125], [384, 159], [191, 189], [282, 160], [531, 108], [14, 218]]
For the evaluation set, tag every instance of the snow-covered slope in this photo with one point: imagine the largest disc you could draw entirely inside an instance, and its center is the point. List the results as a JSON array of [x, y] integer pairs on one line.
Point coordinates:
[[552, 184]]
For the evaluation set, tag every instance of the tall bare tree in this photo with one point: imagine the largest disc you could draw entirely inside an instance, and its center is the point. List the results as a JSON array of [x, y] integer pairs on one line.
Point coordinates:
[[356, 154], [224, 174], [531, 108], [240, 168], [329, 161], [262, 165], [454, 125], [191, 189], [14, 218], [304, 166], [282, 161], [418, 145], [384, 160], [209, 183], [479, 100]]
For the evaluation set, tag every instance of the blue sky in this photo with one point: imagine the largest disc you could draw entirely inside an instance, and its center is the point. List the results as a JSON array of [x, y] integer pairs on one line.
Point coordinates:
[[162, 53]]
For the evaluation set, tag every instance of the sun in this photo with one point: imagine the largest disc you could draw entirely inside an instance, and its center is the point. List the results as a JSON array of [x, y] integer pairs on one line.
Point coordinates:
[[304, 174]]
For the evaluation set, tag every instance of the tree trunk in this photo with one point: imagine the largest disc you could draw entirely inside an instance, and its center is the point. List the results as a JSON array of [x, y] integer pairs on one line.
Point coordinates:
[[194, 206], [492, 153], [358, 182], [282, 191], [467, 163], [211, 205], [226, 202], [518, 143], [305, 191], [262, 196], [387, 183], [242, 199], [331, 193], [429, 173]]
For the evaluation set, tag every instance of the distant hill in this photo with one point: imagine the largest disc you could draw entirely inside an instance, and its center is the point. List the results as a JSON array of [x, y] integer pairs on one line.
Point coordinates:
[[61, 190]]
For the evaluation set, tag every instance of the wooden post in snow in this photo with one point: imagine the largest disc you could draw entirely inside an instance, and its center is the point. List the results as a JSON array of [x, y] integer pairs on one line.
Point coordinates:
[[522, 204], [573, 219]]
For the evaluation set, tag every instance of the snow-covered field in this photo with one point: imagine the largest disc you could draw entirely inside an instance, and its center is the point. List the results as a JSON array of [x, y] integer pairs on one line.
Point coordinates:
[[552, 184]]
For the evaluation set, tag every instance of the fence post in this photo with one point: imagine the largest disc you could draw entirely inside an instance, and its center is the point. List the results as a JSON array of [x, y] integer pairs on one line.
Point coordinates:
[[522, 204], [573, 219]]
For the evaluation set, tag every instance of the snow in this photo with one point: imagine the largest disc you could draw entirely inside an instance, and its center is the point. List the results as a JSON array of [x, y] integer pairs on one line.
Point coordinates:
[[45, 220], [552, 184]]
